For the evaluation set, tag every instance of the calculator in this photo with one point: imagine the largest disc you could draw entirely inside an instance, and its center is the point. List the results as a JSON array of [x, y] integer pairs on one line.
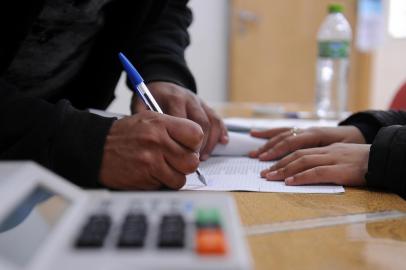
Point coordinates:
[[48, 223]]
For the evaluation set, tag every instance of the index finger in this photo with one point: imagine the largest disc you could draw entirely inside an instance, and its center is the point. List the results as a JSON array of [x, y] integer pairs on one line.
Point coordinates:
[[293, 143], [214, 117], [331, 174], [269, 133], [216, 134], [292, 157], [185, 132], [197, 114]]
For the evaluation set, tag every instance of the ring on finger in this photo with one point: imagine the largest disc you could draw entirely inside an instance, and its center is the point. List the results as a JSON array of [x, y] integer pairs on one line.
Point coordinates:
[[295, 131]]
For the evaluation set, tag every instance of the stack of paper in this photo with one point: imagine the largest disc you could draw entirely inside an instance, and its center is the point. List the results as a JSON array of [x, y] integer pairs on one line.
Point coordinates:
[[246, 124], [241, 173]]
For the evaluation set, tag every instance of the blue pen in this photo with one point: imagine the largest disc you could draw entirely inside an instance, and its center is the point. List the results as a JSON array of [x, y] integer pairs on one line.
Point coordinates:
[[142, 91]]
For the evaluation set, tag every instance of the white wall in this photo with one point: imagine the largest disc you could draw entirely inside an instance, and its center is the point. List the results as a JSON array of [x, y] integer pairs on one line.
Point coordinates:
[[206, 56], [389, 69]]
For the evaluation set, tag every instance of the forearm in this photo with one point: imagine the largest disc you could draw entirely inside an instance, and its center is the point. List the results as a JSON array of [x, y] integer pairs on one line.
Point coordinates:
[[61, 138]]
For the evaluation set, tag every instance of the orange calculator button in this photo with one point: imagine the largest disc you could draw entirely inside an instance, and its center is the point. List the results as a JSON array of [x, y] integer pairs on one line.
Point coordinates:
[[211, 242]]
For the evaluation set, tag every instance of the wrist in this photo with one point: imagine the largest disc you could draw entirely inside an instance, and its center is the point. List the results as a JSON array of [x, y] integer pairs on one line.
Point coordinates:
[[356, 136]]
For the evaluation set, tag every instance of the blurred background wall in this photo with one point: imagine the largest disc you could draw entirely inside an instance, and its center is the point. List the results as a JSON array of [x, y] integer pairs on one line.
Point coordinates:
[[389, 60], [265, 51]]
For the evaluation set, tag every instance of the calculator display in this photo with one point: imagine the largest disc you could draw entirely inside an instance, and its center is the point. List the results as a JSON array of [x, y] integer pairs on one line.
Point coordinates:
[[38, 212]]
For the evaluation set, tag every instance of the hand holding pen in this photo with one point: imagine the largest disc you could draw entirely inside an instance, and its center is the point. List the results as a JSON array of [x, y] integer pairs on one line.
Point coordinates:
[[144, 94]]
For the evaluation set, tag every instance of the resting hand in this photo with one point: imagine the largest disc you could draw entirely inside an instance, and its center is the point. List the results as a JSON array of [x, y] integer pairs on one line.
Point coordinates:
[[149, 151], [282, 141], [339, 163], [180, 102]]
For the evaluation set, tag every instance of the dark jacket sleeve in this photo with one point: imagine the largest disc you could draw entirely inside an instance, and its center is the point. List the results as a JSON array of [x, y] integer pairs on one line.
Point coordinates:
[[68, 141], [387, 160], [386, 130], [370, 122], [158, 50]]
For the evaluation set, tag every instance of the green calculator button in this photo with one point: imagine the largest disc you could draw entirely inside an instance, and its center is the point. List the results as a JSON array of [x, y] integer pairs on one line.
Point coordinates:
[[208, 217]]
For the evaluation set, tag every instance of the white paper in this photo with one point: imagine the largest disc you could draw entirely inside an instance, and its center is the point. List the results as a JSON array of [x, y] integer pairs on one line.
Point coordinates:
[[240, 144], [242, 174], [246, 124]]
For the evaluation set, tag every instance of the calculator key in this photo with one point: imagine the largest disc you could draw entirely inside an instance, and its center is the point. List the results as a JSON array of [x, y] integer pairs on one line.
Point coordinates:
[[131, 240], [94, 231], [89, 241], [210, 242], [172, 232], [133, 231], [208, 218], [171, 241]]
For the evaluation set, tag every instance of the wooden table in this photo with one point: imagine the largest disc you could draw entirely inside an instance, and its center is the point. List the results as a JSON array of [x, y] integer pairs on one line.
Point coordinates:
[[375, 245]]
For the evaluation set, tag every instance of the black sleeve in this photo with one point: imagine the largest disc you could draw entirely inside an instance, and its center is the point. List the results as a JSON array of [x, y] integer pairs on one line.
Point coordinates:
[[370, 122], [68, 141], [160, 46], [387, 160]]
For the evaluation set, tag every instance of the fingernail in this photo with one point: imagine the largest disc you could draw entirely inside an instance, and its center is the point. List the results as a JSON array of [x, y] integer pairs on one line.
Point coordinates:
[[289, 180], [226, 139], [264, 155], [205, 157], [267, 155], [271, 174]]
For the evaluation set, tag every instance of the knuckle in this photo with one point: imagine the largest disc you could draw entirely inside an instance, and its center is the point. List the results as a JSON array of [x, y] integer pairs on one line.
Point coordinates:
[[145, 157], [150, 139], [175, 95], [148, 115], [177, 98], [298, 154], [287, 144], [303, 160], [153, 121], [318, 171], [282, 172]]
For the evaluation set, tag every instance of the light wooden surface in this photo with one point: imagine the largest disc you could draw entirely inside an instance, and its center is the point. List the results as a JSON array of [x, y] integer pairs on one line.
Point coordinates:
[[375, 245], [273, 52]]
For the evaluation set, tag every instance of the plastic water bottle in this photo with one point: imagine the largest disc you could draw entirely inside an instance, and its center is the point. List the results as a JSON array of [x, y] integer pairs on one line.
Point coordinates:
[[334, 38]]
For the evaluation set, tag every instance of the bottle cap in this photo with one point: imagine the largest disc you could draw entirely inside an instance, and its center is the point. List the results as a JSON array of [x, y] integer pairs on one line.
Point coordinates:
[[335, 8]]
